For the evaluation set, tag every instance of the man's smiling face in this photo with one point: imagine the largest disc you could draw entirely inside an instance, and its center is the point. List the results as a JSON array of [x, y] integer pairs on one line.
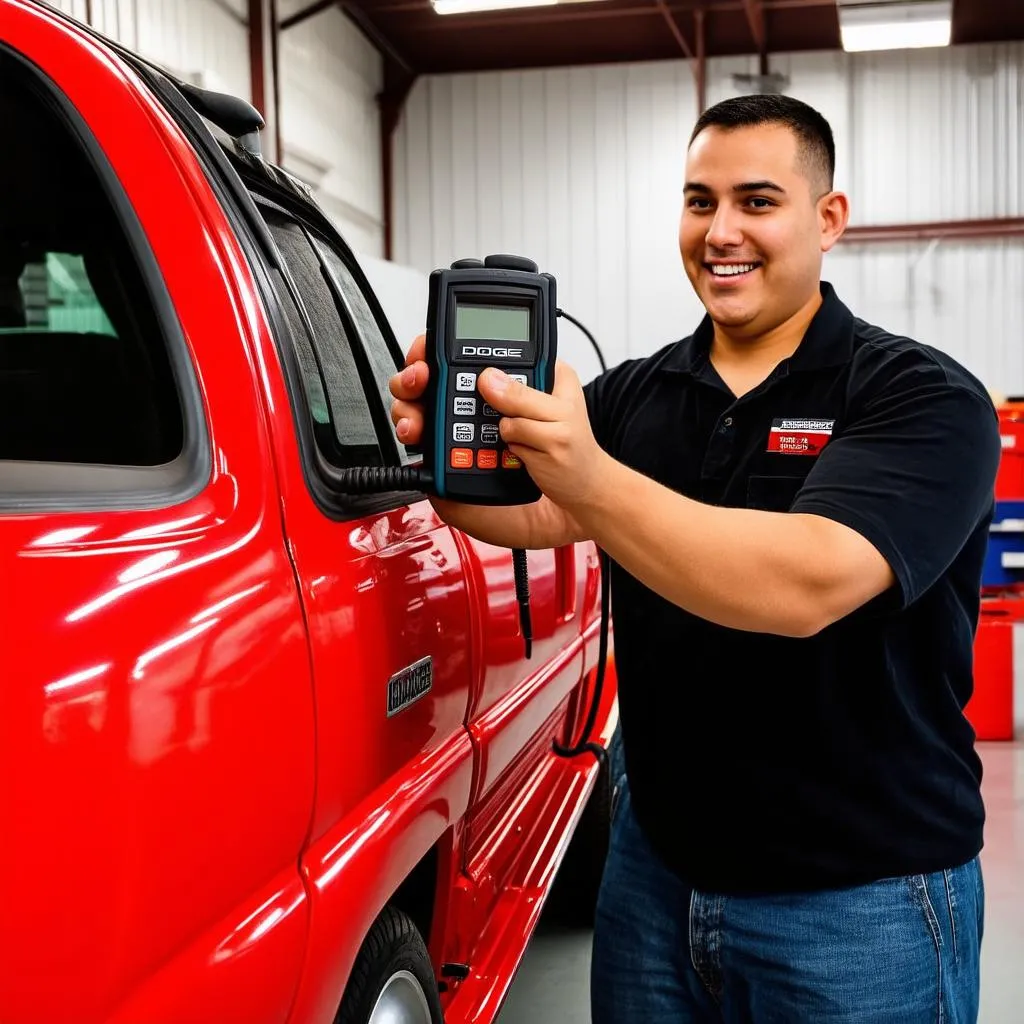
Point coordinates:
[[750, 233]]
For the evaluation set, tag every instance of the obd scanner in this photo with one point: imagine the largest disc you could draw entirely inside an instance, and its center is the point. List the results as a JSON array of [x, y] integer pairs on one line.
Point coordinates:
[[494, 312]]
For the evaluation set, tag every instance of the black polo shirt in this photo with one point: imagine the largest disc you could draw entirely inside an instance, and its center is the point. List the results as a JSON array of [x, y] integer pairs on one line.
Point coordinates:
[[761, 763]]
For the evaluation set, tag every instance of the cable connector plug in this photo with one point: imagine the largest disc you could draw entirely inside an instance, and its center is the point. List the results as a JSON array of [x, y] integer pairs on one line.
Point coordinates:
[[521, 571]]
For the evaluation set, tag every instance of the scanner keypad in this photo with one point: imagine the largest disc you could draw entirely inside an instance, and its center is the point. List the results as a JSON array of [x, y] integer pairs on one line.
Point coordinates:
[[475, 443]]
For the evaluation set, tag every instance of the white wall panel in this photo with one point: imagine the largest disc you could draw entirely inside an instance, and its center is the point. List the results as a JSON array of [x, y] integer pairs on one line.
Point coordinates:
[[204, 40], [965, 298], [76, 8], [330, 77], [581, 169]]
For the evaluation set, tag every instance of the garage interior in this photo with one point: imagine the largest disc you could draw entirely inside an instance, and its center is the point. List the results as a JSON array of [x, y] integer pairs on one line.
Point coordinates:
[[558, 131]]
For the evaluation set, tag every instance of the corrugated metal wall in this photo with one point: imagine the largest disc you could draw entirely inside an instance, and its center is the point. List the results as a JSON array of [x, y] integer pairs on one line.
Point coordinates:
[[581, 168], [330, 75], [190, 37]]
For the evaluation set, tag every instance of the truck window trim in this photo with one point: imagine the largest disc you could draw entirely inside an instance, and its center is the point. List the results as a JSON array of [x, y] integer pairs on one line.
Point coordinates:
[[28, 486]]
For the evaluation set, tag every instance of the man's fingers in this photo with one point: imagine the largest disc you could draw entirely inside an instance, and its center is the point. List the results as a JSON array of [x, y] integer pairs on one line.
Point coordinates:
[[410, 383], [408, 421], [511, 398], [406, 410], [417, 350], [526, 408], [533, 434]]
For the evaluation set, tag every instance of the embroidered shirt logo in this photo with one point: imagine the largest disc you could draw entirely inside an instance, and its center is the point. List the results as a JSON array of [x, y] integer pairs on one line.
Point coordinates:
[[799, 437]]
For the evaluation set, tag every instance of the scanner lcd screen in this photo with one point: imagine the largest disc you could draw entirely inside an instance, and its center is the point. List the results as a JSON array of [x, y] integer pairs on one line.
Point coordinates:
[[475, 322]]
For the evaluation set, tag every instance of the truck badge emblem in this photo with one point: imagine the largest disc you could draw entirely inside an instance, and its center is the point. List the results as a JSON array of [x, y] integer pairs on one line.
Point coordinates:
[[407, 686]]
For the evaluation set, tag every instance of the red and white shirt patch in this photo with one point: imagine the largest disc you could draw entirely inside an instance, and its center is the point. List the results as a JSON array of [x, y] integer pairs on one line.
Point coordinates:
[[799, 437]]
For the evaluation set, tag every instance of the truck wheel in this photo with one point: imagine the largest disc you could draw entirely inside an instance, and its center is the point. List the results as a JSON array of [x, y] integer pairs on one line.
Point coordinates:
[[574, 896], [392, 979]]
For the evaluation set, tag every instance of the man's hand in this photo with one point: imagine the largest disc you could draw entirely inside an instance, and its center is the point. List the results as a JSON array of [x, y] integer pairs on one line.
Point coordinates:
[[408, 387], [540, 525], [550, 433]]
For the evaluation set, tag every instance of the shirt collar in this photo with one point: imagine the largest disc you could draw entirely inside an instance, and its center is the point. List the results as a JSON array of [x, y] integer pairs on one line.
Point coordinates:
[[828, 340]]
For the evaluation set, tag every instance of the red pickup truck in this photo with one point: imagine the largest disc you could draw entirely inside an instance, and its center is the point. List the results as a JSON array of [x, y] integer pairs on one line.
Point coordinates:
[[270, 751]]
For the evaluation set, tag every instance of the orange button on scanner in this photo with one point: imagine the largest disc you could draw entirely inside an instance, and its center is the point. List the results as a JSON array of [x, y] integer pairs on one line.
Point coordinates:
[[487, 458], [510, 461], [462, 458]]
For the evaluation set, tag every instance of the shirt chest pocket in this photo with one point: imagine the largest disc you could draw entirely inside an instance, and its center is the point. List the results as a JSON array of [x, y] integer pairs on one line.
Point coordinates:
[[773, 493]]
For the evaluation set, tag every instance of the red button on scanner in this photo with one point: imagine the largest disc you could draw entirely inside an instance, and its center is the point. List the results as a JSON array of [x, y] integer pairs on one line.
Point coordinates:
[[487, 458], [510, 461], [462, 458]]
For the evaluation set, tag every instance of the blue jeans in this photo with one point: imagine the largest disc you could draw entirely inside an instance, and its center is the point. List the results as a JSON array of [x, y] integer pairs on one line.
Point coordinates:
[[898, 951]]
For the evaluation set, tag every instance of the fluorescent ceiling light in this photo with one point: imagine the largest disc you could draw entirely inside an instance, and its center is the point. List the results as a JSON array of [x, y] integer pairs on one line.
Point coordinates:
[[468, 6], [894, 26]]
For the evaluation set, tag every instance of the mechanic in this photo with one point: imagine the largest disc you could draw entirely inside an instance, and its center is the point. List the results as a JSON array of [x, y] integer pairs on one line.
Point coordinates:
[[796, 504]]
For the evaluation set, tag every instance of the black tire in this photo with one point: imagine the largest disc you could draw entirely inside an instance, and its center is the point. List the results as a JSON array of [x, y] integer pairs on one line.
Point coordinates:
[[392, 946], [574, 895]]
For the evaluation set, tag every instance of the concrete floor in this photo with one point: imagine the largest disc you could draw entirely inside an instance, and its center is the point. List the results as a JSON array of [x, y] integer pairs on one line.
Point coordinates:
[[552, 984]]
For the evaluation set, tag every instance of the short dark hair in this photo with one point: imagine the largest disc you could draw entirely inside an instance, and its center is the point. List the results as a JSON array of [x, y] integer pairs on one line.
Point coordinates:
[[811, 129]]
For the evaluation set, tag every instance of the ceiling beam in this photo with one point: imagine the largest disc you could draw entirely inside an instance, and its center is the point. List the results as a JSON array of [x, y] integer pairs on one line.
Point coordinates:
[[674, 29], [257, 52], [369, 29], [398, 82], [702, 62], [275, 76], [698, 61], [755, 17], [305, 14], [362, 21], [999, 227]]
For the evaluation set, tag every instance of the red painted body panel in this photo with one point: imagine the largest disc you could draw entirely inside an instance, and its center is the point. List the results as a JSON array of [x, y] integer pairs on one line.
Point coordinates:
[[160, 653], [205, 803], [541, 821], [241, 970], [355, 868], [510, 692]]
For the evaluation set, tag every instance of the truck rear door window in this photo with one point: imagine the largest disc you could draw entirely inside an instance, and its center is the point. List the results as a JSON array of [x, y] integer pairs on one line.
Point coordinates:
[[382, 362], [334, 371]]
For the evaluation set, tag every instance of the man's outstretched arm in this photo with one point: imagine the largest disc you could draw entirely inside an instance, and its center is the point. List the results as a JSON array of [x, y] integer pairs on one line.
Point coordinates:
[[788, 574]]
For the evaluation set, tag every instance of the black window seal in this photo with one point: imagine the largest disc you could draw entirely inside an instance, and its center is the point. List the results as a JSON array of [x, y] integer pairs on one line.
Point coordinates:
[[126, 487]]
